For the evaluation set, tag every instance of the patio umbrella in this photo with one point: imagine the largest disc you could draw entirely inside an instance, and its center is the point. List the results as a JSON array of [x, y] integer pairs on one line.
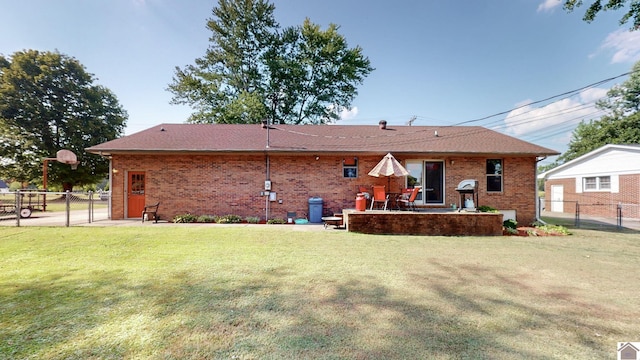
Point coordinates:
[[388, 167]]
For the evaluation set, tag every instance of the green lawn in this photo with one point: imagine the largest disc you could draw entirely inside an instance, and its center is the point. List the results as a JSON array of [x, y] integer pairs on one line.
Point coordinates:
[[196, 292]]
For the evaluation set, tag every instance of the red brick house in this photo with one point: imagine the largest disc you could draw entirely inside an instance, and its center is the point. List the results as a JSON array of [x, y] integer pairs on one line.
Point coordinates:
[[251, 170], [599, 181]]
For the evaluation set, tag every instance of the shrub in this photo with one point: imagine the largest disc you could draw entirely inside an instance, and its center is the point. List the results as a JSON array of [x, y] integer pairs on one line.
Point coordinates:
[[252, 219], [488, 209], [185, 218], [206, 218], [554, 229], [511, 231], [229, 219], [276, 221], [510, 224]]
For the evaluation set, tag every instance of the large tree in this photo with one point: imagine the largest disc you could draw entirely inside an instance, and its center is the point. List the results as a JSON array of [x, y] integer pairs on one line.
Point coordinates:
[[48, 102], [631, 13], [227, 84], [253, 69], [621, 124], [314, 74]]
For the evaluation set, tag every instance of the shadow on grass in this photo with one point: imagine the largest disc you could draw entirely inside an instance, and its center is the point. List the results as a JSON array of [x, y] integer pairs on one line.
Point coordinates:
[[519, 307], [460, 312], [39, 315]]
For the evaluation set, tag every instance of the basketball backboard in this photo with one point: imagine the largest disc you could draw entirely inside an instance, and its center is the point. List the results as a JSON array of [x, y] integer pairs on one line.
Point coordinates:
[[66, 157]]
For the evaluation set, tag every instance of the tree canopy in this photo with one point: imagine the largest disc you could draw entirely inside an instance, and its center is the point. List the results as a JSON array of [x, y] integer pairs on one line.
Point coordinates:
[[621, 125], [48, 102], [254, 70], [631, 13]]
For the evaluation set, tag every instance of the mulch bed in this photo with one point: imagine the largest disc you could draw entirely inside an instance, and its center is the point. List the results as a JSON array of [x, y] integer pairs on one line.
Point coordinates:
[[532, 231]]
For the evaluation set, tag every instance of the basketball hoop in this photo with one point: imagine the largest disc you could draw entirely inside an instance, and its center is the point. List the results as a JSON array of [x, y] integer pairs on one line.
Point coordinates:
[[62, 156], [67, 157]]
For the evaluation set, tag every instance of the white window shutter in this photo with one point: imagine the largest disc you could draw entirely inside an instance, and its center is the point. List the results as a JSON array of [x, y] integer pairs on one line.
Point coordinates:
[[578, 185], [615, 184]]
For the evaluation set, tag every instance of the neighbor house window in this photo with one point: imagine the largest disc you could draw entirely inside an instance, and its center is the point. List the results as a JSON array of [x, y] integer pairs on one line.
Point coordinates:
[[494, 175], [597, 183], [350, 167]]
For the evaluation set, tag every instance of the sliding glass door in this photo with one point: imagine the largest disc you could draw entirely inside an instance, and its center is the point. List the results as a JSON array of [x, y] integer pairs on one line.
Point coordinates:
[[430, 175], [415, 177], [433, 182]]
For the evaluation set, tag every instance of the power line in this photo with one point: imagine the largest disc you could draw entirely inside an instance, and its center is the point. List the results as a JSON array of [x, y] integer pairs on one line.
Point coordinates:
[[566, 94], [572, 92]]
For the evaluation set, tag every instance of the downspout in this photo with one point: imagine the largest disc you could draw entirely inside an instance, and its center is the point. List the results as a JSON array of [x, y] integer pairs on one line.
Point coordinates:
[[536, 192], [110, 188], [268, 176], [266, 125]]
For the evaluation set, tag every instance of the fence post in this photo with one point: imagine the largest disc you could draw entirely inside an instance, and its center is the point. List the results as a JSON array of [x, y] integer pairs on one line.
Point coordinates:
[[619, 216], [577, 219], [18, 206], [68, 203], [90, 206]]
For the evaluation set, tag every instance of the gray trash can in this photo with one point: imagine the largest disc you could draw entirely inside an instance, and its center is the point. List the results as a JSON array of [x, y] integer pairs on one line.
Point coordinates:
[[315, 209]]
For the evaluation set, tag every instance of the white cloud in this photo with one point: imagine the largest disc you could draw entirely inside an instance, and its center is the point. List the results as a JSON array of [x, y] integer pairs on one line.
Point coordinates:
[[549, 119], [549, 5], [625, 45], [346, 114], [592, 94]]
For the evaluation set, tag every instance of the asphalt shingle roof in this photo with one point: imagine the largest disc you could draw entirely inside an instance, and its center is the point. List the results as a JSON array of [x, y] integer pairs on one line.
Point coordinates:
[[320, 138]]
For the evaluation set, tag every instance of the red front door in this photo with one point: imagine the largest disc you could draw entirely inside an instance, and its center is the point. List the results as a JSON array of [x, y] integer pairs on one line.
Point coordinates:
[[135, 195]]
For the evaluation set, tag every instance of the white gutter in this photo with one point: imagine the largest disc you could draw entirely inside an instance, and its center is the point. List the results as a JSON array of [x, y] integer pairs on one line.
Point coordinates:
[[536, 192]]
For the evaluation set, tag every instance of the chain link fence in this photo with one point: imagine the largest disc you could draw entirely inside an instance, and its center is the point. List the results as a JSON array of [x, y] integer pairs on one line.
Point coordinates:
[[40, 208], [596, 215]]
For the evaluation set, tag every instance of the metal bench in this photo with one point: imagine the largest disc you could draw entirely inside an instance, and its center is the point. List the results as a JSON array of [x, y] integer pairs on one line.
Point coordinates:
[[151, 210]]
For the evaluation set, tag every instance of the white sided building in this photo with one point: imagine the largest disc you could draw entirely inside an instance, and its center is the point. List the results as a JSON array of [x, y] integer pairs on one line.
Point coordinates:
[[601, 182]]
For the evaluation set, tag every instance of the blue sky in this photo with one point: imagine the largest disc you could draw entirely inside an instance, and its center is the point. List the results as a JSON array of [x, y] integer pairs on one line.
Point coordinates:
[[444, 62]]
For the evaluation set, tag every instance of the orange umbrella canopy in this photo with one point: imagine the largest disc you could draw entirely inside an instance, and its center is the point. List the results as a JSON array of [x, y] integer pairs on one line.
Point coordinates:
[[388, 166]]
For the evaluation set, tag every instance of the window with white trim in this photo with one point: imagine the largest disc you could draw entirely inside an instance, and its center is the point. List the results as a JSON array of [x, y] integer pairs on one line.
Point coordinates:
[[596, 183], [494, 175]]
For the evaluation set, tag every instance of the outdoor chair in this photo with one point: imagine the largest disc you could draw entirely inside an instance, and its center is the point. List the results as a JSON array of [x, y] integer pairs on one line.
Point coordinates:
[[149, 211], [379, 197], [410, 202]]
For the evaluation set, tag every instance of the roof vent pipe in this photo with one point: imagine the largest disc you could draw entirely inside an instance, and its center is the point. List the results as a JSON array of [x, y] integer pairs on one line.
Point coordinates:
[[382, 124]]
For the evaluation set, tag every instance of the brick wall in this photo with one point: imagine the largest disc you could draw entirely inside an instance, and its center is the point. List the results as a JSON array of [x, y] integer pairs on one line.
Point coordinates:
[[231, 184], [438, 224], [599, 203], [519, 184]]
